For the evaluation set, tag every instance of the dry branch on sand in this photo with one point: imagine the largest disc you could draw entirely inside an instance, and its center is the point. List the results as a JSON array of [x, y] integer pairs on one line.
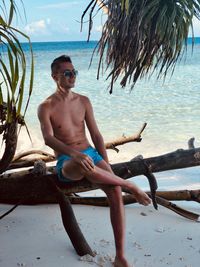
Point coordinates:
[[32, 187]]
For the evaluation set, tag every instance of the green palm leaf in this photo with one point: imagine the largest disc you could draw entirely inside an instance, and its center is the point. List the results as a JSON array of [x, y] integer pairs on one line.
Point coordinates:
[[140, 37], [13, 74]]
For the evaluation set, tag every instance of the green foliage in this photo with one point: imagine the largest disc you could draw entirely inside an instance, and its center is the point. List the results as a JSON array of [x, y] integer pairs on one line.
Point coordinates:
[[141, 36], [13, 72], [13, 68]]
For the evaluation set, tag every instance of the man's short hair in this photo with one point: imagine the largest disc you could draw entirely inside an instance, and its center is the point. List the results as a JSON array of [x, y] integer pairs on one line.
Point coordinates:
[[55, 64]]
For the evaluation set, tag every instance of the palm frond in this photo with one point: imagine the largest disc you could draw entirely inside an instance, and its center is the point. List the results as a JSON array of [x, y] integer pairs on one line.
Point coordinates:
[[140, 37], [13, 74]]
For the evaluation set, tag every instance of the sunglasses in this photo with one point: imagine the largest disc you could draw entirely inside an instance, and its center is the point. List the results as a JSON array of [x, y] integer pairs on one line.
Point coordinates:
[[70, 74]]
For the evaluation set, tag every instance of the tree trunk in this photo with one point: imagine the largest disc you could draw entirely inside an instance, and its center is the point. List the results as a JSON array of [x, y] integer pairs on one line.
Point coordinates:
[[174, 160], [30, 188], [10, 137], [71, 226]]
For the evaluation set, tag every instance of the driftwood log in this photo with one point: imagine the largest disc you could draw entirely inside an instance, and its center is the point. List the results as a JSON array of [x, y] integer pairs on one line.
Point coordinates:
[[19, 161], [178, 195], [129, 199], [123, 140], [23, 185], [71, 225]]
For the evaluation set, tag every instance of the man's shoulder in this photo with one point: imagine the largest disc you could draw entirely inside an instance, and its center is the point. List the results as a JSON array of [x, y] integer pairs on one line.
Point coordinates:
[[82, 98], [48, 102]]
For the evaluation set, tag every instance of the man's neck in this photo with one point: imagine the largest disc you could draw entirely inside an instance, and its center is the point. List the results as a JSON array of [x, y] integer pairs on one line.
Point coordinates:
[[64, 92]]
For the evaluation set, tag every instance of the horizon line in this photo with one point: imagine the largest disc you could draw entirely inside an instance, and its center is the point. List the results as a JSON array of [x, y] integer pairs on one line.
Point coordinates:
[[57, 41]]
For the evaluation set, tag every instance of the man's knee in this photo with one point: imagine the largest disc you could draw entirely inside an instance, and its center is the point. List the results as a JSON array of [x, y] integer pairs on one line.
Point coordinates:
[[117, 190], [114, 190], [71, 169]]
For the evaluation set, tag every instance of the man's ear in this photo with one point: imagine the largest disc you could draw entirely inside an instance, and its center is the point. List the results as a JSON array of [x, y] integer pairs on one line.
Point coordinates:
[[53, 76]]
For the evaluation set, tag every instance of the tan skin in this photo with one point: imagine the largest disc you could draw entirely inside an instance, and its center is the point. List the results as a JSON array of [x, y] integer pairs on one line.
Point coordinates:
[[63, 116]]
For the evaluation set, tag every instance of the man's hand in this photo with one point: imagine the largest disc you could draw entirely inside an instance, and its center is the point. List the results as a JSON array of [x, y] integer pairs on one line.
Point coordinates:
[[85, 161]]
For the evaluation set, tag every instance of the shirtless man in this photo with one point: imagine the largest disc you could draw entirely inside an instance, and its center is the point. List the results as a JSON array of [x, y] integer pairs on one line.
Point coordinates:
[[63, 116]]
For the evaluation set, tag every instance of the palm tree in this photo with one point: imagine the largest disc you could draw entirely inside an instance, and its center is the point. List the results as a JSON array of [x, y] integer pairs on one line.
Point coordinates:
[[13, 71], [141, 36]]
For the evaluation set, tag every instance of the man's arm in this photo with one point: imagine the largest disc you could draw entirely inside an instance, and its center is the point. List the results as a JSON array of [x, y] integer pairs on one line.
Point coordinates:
[[57, 145], [96, 136], [48, 133]]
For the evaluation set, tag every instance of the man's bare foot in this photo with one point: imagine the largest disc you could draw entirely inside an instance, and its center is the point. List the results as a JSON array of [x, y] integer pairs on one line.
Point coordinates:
[[142, 198], [121, 262], [139, 194]]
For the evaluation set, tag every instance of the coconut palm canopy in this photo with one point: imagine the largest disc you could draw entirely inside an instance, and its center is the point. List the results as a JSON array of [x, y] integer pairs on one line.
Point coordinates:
[[141, 36], [13, 68]]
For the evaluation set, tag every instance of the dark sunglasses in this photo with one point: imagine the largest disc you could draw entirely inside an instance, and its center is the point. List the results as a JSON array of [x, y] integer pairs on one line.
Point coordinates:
[[70, 74]]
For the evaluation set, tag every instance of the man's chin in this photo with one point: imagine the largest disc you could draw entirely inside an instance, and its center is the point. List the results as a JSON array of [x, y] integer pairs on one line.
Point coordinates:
[[70, 86]]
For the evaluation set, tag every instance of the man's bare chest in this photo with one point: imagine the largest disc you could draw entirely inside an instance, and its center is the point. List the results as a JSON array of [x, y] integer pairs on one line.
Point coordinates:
[[68, 117]]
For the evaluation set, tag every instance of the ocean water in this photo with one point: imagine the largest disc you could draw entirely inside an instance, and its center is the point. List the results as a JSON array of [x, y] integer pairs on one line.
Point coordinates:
[[170, 108]]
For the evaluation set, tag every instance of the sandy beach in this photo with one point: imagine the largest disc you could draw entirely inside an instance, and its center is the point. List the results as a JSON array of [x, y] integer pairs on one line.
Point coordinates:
[[35, 236]]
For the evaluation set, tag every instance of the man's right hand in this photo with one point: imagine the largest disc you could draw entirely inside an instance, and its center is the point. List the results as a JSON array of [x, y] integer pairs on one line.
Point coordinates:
[[84, 161]]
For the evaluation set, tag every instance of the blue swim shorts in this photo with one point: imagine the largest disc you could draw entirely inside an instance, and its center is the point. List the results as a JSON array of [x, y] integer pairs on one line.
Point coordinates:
[[90, 151]]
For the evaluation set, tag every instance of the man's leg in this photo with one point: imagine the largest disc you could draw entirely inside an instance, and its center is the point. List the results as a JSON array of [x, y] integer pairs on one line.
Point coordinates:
[[117, 217], [103, 177], [114, 194]]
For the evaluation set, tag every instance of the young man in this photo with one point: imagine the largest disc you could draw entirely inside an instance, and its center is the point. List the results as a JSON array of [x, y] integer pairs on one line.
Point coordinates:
[[63, 116]]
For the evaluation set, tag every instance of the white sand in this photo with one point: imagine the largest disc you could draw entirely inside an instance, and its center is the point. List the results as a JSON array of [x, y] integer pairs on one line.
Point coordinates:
[[34, 236]]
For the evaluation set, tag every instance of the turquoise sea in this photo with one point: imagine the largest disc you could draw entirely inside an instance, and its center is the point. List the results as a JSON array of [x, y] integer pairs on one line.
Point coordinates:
[[170, 108]]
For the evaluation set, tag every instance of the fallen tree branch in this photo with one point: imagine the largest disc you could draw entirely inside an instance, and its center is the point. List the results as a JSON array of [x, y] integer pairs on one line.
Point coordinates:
[[129, 199], [178, 159], [18, 162], [162, 198], [31, 152], [49, 198], [46, 157], [153, 184], [191, 143], [70, 223], [123, 140], [183, 212], [174, 160], [177, 195], [10, 210], [16, 185]]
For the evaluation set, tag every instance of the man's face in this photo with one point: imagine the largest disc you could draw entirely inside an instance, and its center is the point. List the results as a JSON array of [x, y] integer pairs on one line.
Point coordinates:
[[65, 77]]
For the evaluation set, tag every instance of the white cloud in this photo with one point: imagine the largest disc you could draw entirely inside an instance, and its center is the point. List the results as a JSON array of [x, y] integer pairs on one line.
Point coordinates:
[[37, 27], [46, 28]]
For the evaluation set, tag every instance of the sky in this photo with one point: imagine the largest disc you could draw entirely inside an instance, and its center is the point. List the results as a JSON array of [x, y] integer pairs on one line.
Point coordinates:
[[51, 20]]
